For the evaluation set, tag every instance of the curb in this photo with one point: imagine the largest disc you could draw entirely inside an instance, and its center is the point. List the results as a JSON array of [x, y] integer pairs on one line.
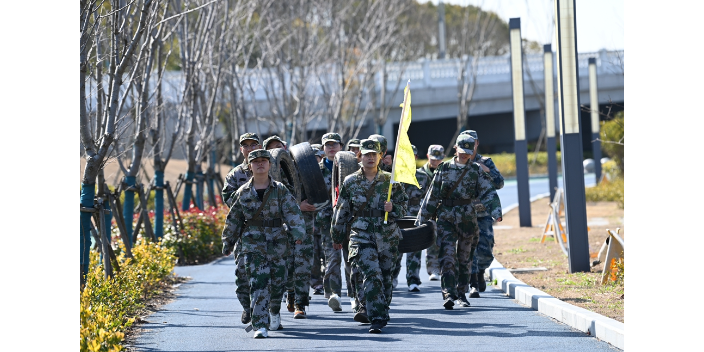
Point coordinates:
[[597, 325]]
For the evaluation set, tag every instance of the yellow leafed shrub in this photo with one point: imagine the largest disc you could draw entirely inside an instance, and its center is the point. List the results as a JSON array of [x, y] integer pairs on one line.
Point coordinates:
[[108, 307]]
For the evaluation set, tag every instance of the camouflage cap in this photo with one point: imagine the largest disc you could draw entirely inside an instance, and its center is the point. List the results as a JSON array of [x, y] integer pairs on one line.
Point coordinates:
[[273, 138], [382, 141], [258, 153], [331, 136], [415, 150], [472, 133], [369, 146], [250, 135], [354, 142], [436, 152], [465, 144]]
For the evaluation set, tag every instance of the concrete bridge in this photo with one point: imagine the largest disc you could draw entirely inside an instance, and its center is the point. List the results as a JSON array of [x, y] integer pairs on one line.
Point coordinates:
[[434, 87]]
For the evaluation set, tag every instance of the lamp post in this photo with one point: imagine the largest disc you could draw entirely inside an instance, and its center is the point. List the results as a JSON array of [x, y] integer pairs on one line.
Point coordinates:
[[571, 136], [594, 108], [441, 30], [519, 123], [550, 118]]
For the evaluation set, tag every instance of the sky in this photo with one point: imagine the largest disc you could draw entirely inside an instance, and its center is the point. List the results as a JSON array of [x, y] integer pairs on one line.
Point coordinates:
[[600, 23]]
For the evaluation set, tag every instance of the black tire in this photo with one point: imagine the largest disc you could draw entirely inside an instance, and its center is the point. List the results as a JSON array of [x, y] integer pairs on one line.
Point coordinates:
[[416, 239], [345, 163], [284, 170], [407, 222], [310, 176]]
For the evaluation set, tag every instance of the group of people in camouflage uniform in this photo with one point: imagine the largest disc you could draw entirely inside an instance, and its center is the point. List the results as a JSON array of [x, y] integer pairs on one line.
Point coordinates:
[[279, 243]]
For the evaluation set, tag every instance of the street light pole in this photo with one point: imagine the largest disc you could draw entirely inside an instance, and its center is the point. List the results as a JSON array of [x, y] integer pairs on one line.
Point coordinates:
[[519, 123], [594, 108], [572, 167], [550, 118], [441, 30]]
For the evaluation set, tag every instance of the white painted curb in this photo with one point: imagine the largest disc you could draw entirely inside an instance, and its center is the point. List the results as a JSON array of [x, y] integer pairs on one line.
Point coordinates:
[[603, 328]]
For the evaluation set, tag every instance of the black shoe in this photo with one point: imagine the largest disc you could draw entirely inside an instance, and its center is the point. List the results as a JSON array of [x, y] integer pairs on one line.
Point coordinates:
[[474, 293], [481, 282], [246, 316], [361, 316], [290, 302], [319, 291], [462, 301], [448, 303], [376, 327]]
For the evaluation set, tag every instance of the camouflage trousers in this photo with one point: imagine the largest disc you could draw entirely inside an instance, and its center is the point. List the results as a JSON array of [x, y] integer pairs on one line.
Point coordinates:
[[353, 279], [456, 242], [431, 259], [316, 274], [376, 269], [412, 267], [267, 277], [332, 278], [241, 280], [483, 255], [299, 265]]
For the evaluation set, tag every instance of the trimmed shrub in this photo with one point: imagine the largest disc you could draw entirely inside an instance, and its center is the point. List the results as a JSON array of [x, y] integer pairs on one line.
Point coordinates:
[[200, 241]]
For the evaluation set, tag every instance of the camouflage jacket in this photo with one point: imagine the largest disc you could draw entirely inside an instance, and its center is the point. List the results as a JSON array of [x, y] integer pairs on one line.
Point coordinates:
[[324, 215], [497, 181], [368, 229], [474, 185], [267, 241], [415, 194], [237, 177]]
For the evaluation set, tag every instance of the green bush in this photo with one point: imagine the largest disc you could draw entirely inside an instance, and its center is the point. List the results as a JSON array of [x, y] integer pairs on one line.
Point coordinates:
[[612, 132], [607, 190], [201, 240], [506, 163], [108, 306]]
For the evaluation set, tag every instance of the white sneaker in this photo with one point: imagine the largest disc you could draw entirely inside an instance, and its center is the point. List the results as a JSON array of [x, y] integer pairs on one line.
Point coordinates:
[[334, 303], [261, 333], [413, 288], [435, 276], [274, 321], [353, 303]]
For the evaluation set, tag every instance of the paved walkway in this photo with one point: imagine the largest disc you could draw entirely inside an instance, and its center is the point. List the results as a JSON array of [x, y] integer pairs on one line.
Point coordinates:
[[205, 317]]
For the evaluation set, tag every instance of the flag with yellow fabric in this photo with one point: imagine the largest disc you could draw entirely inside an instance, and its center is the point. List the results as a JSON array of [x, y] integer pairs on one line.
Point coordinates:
[[404, 165]]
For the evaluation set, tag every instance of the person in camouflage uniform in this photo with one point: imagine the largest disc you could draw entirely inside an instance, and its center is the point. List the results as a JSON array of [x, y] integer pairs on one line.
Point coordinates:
[[332, 278], [383, 144], [316, 275], [456, 184], [235, 179], [299, 264], [373, 245], [274, 142], [415, 195], [483, 255], [353, 145], [435, 155], [259, 210]]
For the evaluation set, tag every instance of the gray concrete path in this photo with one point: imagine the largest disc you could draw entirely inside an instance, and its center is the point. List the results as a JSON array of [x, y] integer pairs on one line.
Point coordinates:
[[205, 317]]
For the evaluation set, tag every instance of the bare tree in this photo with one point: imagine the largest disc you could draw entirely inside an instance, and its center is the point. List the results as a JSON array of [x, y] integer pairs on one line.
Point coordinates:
[[123, 26], [476, 37]]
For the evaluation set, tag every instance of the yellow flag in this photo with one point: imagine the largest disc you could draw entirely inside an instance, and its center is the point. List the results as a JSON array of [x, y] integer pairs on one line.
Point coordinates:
[[404, 165]]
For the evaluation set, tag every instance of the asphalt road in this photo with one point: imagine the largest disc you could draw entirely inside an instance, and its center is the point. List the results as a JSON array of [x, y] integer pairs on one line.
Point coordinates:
[[538, 186], [205, 317]]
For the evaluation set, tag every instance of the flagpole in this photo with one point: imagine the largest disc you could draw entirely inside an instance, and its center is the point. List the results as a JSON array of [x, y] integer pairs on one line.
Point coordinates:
[[398, 137]]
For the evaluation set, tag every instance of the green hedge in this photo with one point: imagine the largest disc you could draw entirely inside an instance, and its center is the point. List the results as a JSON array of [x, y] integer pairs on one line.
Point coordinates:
[[506, 163]]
